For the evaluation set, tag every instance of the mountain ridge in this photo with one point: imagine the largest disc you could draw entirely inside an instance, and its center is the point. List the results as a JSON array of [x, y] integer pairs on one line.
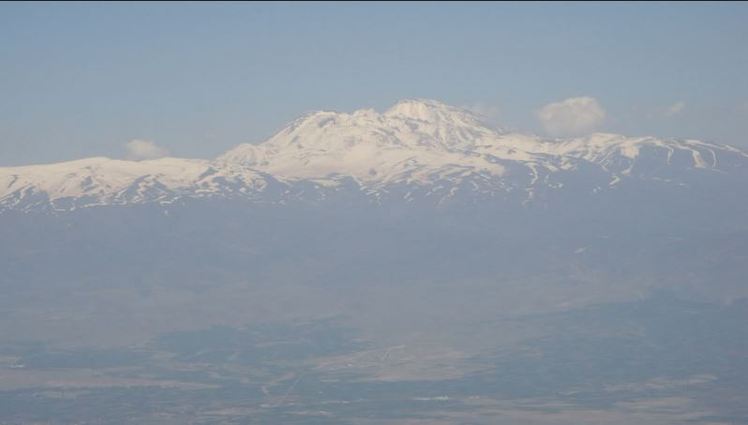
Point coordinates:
[[414, 146]]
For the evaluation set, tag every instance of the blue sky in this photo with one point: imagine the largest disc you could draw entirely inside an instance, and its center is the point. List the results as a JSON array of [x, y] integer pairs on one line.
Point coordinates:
[[80, 79]]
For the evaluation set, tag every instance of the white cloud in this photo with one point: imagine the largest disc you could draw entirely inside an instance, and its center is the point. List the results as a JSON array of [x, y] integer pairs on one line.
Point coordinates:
[[571, 117], [675, 109], [144, 149], [743, 108]]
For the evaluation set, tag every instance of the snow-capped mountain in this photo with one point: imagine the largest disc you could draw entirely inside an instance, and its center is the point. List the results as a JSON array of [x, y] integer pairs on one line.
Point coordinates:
[[416, 149]]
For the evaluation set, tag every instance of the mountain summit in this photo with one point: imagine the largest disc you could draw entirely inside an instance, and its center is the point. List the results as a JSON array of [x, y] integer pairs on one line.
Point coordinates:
[[415, 149]]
